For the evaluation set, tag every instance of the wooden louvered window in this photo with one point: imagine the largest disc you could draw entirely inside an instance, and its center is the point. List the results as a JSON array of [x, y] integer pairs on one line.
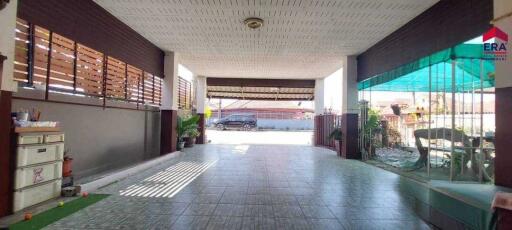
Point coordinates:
[[158, 91], [62, 63], [134, 88], [45, 58], [41, 51], [116, 78], [184, 94], [89, 71], [148, 88], [21, 53]]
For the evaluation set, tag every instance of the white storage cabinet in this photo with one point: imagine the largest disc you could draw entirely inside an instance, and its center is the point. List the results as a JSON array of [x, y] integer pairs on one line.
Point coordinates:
[[38, 175]]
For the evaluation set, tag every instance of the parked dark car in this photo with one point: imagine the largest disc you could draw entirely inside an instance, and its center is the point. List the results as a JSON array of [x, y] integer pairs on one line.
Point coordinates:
[[237, 121]]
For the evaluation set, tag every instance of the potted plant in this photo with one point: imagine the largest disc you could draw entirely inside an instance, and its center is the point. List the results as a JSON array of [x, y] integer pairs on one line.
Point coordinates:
[[191, 136], [370, 131], [184, 128], [336, 134]]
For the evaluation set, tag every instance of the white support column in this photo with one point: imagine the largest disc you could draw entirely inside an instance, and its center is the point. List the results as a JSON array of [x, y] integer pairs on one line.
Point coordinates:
[[169, 108], [201, 108], [7, 44], [349, 109], [201, 94], [349, 86], [319, 96], [170, 82]]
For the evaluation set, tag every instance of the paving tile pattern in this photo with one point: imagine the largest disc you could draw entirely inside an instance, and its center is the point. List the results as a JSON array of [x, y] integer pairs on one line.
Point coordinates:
[[252, 187]]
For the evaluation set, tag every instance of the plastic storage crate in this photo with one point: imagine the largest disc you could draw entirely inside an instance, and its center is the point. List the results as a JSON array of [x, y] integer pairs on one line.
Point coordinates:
[[33, 175], [36, 194], [36, 154]]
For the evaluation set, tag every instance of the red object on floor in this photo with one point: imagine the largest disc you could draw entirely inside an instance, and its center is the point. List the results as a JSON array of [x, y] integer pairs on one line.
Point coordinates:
[[66, 167], [28, 216]]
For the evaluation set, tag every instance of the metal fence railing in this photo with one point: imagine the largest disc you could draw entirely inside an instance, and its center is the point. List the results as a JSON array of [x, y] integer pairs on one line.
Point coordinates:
[[324, 126]]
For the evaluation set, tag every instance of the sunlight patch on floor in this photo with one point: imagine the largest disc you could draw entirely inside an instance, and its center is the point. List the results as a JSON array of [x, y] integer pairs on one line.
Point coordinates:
[[168, 182], [241, 149]]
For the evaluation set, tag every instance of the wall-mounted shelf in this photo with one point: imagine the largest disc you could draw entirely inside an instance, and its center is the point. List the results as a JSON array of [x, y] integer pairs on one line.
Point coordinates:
[[36, 129]]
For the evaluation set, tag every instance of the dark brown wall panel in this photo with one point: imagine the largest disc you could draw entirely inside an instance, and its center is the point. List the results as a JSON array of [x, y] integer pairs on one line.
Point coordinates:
[[86, 22], [6, 155], [447, 23], [201, 139], [503, 161], [168, 133], [6, 158], [349, 142]]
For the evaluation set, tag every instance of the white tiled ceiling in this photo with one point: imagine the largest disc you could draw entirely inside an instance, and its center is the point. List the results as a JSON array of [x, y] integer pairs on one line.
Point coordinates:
[[300, 38]]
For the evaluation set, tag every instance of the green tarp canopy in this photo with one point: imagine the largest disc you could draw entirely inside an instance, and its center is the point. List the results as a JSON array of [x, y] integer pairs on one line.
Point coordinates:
[[414, 77]]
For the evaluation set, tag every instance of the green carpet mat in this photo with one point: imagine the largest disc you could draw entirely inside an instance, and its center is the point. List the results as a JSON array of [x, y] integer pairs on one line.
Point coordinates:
[[46, 218]]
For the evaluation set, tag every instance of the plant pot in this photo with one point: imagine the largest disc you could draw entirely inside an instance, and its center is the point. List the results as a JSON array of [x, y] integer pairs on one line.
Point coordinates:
[[181, 145], [189, 141], [204, 140], [337, 146]]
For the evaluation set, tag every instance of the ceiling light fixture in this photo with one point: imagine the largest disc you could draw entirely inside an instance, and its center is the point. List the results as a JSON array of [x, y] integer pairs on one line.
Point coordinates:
[[254, 23]]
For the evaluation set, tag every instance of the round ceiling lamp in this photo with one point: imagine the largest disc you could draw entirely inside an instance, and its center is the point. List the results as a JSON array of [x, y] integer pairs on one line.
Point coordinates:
[[254, 23]]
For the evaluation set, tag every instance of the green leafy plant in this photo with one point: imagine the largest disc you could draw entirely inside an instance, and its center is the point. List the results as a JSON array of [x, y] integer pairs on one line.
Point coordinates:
[[373, 124], [336, 134], [371, 128], [187, 126], [192, 133]]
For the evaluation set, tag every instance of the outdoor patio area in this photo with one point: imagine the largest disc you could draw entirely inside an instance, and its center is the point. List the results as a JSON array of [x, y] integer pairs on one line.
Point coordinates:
[[252, 187]]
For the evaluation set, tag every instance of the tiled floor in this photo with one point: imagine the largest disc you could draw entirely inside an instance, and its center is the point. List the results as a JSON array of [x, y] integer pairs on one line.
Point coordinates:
[[252, 187]]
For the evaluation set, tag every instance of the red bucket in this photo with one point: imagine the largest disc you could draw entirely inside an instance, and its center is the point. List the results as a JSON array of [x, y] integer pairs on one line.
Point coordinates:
[[66, 166]]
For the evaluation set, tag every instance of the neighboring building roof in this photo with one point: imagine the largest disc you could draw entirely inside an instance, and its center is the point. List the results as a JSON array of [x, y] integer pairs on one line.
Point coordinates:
[[256, 104]]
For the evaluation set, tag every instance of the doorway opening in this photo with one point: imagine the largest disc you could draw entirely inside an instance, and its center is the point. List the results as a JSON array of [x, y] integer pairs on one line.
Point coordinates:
[[235, 121]]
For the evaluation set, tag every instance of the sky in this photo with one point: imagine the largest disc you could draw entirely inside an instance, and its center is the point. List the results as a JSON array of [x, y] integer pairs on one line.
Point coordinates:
[[332, 91]]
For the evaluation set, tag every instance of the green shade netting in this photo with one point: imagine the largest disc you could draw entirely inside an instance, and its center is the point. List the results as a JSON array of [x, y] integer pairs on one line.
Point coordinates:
[[414, 77]]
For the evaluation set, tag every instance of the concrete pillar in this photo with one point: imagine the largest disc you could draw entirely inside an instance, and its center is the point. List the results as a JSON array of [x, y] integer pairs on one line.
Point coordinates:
[[319, 110], [7, 86], [319, 96], [503, 100], [350, 109], [200, 98], [169, 108], [170, 82], [7, 45]]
